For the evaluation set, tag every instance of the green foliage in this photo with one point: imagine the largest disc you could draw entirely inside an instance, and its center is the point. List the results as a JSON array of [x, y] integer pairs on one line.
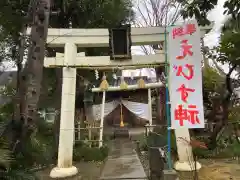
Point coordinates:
[[232, 24], [38, 150], [142, 142], [234, 114], [6, 155], [7, 162], [7, 109], [17, 175], [198, 9], [228, 48], [12, 14], [232, 7], [202, 153], [213, 86], [39, 147], [158, 138], [212, 80], [83, 152], [232, 150], [92, 13]]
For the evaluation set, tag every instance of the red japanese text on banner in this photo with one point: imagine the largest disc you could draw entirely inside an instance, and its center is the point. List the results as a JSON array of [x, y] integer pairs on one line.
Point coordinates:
[[185, 76]]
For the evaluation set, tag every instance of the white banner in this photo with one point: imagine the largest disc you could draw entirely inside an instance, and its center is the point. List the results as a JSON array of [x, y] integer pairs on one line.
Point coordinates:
[[185, 81]]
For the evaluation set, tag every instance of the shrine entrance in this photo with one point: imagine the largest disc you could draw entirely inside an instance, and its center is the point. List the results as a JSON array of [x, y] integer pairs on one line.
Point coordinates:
[[125, 108], [141, 110]]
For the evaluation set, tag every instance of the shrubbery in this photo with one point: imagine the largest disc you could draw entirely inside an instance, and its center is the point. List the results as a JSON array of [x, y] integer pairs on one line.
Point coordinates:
[[231, 151], [159, 139], [83, 152]]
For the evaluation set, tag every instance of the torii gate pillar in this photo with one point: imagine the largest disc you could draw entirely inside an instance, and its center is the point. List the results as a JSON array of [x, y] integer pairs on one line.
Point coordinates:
[[66, 136]]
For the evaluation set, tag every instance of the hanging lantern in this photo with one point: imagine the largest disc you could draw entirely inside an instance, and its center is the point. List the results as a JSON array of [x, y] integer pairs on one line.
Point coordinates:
[[120, 42]]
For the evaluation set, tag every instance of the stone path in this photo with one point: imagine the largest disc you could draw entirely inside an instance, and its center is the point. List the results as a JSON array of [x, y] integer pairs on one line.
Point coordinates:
[[123, 162]]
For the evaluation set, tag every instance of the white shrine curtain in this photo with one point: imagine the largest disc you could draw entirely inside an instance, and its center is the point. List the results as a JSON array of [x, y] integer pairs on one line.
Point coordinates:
[[109, 107], [139, 109]]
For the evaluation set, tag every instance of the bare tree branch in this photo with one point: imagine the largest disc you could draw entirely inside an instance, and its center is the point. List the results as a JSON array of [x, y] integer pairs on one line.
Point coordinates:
[[152, 13]]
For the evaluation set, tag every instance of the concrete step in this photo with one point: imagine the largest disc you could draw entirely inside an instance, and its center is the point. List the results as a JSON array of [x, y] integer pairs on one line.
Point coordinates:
[[121, 132]]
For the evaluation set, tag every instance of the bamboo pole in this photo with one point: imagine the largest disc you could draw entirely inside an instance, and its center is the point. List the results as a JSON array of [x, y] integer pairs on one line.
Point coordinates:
[[150, 108], [102, 119]]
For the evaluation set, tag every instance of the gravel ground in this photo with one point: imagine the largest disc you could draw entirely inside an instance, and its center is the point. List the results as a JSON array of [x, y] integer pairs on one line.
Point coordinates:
[[217, 169], [143, 156], [87, 171]]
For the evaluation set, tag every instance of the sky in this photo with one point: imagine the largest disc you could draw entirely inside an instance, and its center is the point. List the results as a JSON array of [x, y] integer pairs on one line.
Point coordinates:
[[211, 39], [216, 15]]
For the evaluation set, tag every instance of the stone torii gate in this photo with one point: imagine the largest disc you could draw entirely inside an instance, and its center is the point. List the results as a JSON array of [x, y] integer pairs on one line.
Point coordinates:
[[70, 39]]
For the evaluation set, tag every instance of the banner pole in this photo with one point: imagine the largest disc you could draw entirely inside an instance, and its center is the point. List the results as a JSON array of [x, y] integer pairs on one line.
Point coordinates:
[[167, 93]]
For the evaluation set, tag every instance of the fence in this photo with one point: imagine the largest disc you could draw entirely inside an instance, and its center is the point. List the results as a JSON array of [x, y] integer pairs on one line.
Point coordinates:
[[88, 133]]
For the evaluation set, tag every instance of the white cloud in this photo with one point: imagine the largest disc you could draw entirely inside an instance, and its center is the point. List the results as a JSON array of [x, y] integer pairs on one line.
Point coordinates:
[[216, 15]]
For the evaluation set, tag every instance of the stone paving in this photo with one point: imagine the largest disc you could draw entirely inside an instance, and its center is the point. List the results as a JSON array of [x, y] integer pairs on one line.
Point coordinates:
[[123, 162]]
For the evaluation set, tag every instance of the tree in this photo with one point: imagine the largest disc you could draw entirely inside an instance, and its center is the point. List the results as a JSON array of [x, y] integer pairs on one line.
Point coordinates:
[[153, 13], [226, 53], [81, 14], [198, 9], [156, 13]]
